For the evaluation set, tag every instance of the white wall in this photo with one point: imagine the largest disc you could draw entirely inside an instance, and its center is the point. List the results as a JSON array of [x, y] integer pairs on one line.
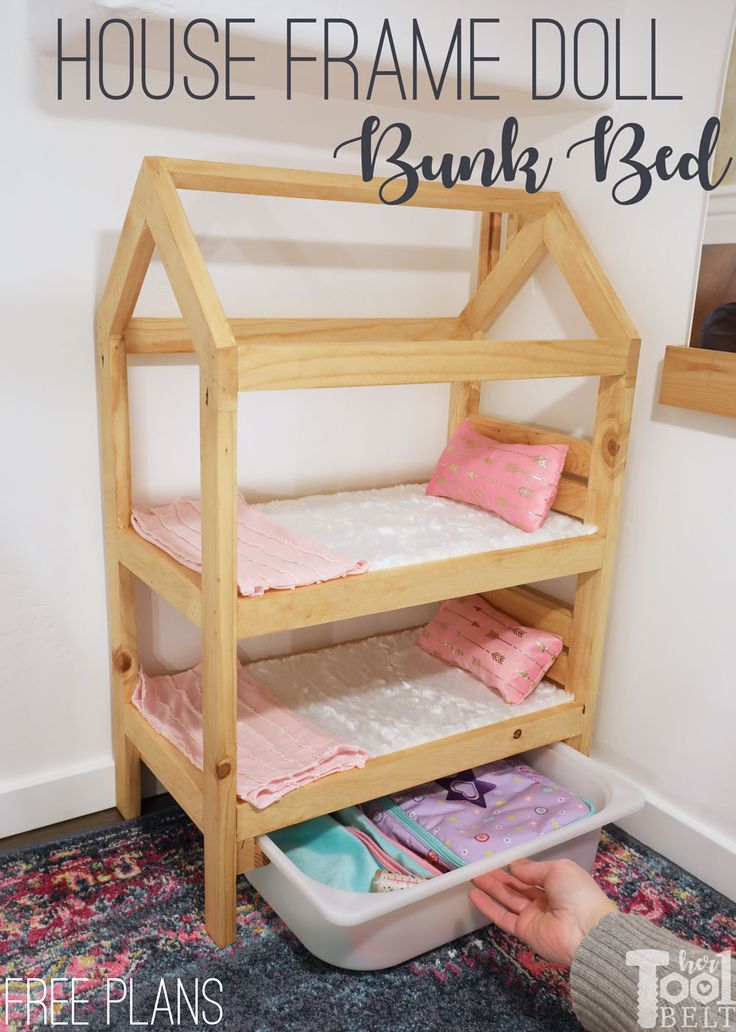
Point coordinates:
[[667, 706]]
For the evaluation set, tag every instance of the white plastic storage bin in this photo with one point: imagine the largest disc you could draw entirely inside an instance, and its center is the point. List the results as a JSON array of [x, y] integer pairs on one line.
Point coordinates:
[[364, 931]]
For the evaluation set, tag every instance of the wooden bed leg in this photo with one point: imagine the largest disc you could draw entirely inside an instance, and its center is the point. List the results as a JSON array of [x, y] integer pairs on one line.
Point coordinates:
[[605, 486], [124, 677], [218, 426]]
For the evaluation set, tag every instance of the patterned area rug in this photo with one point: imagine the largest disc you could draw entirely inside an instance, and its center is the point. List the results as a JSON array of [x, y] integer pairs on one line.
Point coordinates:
[[126, 903]]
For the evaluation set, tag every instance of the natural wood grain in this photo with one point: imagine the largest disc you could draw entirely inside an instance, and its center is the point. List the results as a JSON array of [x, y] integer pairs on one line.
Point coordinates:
[[179, 586], [578, 448], [465, 397], [605, 488], [514, 222], [288, 366], [249, 856], [185, 267], [218, 437], [584, 274], [401, 587], [704, 381], [571, 497], [400, 770], [170, 336], [336, 186], [181, 778], [130, 264], [558, 671], [116, 477], [534, 608], [129, 267], [507, 276], [368, 592]]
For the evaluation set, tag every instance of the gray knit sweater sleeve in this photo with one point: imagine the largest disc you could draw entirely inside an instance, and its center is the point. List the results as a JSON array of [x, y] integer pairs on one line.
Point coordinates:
[[611, 995]]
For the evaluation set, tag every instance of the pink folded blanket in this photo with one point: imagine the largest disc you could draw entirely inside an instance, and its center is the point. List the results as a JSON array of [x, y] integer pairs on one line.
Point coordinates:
[[269, 555], [278, 750]]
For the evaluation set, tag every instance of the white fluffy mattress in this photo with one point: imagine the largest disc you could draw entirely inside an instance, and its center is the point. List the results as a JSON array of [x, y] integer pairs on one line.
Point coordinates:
[[385, 693], [398, 526]]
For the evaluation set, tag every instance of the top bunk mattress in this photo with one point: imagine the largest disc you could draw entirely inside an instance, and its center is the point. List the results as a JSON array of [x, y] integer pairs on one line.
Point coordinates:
[[399, 526]]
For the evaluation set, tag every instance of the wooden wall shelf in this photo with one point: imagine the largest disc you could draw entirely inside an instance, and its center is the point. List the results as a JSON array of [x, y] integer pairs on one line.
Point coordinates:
[[694, 378]]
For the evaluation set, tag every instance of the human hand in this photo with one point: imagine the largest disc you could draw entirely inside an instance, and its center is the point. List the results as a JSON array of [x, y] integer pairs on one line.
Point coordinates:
[[550, 906]]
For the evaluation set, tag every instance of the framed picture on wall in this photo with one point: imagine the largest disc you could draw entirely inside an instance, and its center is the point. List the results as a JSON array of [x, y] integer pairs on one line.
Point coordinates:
[[703, 376]]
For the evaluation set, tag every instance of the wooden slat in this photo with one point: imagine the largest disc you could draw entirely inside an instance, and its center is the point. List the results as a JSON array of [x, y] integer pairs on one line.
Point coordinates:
[[268, 367], [218, 471], [535, 609], [164, 575], [465, 397], [514, 223], [401, 770], [578, 448], [129, 267], [558, 671], [181, 778], [571, 497], [337, 186], [365, 593], [509, 273], [694, 378], [401, 587], [584, 274], [185, 267], [170, 336], [249, 856]]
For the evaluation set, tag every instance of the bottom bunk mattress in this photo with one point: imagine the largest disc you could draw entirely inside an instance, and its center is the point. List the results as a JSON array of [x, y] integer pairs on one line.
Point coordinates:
[[304, 716]]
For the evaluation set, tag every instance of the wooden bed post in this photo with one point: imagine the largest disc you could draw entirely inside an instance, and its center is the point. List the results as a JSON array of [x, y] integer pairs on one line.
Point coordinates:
[[465, 397], [603, 503], [130, 264], [113, 394], [608, 317], [218, 429]]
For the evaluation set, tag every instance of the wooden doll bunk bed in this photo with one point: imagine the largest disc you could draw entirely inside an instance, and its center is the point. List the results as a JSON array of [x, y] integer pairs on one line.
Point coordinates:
[[246, 354]]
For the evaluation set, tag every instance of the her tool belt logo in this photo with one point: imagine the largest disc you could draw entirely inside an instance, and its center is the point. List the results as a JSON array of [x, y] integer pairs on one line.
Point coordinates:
[[700, 989]]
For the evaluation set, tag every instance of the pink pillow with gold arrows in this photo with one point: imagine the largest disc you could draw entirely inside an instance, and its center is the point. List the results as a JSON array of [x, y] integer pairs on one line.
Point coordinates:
[[469, 633], [518, 482]]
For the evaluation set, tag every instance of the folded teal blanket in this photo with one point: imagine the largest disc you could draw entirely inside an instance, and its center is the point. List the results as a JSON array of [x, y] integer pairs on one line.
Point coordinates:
[[345, 850]]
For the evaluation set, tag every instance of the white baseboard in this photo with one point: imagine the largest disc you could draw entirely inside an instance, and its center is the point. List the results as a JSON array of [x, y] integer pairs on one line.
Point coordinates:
[[61, 796], [701, 850]]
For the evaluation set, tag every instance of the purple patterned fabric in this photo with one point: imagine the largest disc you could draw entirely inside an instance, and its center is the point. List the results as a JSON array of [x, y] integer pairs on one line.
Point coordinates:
[[477, 813]]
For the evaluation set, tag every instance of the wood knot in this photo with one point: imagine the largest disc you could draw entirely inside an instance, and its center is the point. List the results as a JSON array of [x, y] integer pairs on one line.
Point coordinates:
[[223, 769], [122, 660], [517, 733], [613, 447]]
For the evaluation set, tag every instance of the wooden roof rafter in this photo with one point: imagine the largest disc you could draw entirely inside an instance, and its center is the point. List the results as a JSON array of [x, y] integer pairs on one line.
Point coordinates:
[[542, 224]]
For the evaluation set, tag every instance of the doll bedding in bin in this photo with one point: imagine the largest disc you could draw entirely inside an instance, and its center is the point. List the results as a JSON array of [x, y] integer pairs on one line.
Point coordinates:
[[397, 841]]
